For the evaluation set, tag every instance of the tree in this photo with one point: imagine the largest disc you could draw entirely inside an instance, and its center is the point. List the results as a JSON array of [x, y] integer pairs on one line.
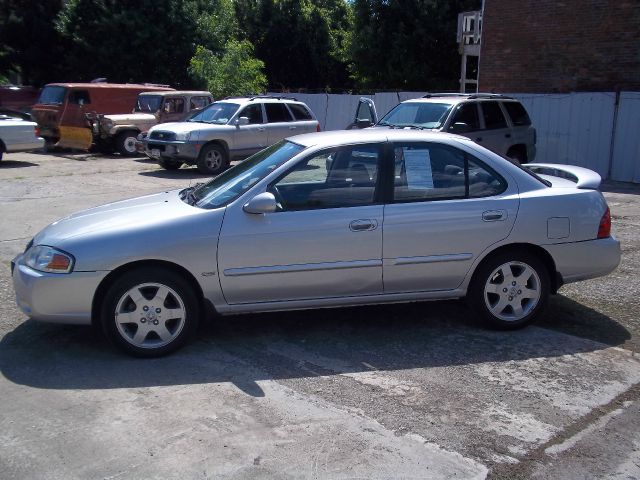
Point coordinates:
[[30, 46], [144, 40], [407, 44], [233, 72]]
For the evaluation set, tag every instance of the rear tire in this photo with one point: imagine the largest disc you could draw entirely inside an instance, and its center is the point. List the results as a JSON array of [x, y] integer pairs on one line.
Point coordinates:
[[510, 290], [169, 164], [126, 143], [150, 312], [212, 160]]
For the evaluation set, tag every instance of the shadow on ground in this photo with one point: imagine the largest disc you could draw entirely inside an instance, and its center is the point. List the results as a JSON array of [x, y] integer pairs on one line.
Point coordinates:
[[247, 349], [16, 164], [186, 173]]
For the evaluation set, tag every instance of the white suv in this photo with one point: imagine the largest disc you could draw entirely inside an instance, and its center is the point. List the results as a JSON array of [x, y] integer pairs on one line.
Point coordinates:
[[228, 129], [497, 122]]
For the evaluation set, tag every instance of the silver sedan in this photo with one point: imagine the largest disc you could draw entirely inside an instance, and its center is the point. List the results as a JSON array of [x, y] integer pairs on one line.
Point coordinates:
[[324, 220]]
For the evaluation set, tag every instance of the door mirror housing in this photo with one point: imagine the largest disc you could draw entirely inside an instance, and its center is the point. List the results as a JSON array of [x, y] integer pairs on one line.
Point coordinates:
[[363, 123], [262, 203], [242, 121], [460, 127]]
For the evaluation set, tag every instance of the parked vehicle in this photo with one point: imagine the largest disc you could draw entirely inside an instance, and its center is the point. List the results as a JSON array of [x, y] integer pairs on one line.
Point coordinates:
[[61, 111], [497, 122], [18, 135], [399, 216], [17, 100], [229, 129], [120, 131]]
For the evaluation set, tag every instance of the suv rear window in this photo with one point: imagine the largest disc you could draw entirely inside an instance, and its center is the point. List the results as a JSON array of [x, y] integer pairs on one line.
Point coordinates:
[[277, 112], [517, 113], [493, 117], [299, 112]]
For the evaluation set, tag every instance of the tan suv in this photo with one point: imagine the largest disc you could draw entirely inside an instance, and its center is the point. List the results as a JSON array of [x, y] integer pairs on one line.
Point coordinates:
[[119, 132], [497, 122]]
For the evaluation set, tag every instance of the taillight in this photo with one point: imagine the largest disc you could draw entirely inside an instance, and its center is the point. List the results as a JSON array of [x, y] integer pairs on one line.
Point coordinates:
[[318, 128], [604, 230], [37, 130]]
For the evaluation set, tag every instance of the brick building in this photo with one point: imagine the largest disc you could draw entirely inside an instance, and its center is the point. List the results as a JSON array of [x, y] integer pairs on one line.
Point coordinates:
[[560, 46]]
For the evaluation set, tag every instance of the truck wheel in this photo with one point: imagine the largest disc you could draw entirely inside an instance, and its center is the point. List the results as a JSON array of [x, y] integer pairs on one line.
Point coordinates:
[[212, 160], [169, 164], [126, 143], [49, 145]]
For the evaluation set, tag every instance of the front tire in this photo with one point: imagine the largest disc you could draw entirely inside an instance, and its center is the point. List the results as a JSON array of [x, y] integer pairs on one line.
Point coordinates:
[[126, 143], [150, 312], [212, 160], [510, 290]]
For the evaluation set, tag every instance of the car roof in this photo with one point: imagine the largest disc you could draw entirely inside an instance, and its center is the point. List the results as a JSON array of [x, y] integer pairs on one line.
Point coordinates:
[[111, 85], [455, 98], [178, 92], [263, 99], [345, 137]]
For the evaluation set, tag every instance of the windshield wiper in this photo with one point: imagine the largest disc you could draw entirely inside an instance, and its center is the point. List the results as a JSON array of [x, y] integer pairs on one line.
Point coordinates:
[[189, 193]]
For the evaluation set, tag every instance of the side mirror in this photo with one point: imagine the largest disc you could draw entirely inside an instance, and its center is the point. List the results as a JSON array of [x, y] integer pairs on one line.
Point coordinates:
[[261, 203], [460, 127], [242, 121], [366, 123], [81, 102]]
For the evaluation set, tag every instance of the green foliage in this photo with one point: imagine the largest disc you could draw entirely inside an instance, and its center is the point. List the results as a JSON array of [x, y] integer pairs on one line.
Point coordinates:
[[232, 72], [407, 44]]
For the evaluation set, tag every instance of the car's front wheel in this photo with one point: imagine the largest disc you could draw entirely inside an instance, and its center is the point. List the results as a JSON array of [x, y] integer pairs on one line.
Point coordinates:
[[126, 143], [212, 160], [150, 312], [510, 289]]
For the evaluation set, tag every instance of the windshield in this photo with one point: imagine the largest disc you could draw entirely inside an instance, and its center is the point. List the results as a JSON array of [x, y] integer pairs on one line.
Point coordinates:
[[228, 186], [148, 103], [53, 95], [425, 115], [218, 112]]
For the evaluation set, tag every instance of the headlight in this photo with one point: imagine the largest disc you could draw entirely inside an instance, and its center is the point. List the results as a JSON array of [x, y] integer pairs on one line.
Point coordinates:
[[183, 136], [106, 124], [48, 259]]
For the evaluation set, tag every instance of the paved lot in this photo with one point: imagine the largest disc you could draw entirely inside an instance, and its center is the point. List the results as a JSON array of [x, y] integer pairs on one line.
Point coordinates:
[[405, 391]]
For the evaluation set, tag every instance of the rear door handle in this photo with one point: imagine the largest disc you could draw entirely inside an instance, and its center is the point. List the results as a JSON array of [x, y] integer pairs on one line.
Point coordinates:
[[292, 128], [363, 225], [494, 215]]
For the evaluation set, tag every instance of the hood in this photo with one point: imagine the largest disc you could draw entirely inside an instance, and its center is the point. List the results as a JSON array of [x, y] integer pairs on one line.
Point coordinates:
[[127, 118], [178, 127], [153, 226]]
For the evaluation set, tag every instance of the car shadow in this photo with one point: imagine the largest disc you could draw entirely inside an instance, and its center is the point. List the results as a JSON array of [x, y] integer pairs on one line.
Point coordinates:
[[185, 173], [247, 349], [611, 186], [16, 164]]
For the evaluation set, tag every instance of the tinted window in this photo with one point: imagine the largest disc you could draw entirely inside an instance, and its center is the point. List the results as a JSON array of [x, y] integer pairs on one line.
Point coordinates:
[[426, 171], [467, 113], [79, 96], [52, 95], [341, 177], [517, 113], [493, 117], [277, 112], [253, 113], [300, 112]]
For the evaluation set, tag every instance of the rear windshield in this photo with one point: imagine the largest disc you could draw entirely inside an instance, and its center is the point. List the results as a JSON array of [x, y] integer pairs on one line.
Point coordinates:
[[517, 113], [148, 103], [218, 112], [53, 95]]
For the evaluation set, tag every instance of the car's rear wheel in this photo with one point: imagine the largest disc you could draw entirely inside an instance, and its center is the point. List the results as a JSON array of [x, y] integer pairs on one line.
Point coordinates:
[[212, 160], [126, 143], [150, 312], [169, 164], [510, 289]]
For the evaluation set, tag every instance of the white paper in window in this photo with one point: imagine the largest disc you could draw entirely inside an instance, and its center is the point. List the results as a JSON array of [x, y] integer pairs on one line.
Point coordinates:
[[417, 165]]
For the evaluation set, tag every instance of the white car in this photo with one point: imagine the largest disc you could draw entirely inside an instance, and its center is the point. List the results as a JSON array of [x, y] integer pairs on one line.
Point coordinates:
[[18, 135], [324, 220]]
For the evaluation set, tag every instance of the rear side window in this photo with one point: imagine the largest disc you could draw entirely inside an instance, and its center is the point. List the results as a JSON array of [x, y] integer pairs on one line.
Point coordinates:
[[493, 117], [300, 112], [79, 96], [199, 102], [174, 105], [277, 112], [428, 171], [517, 113]]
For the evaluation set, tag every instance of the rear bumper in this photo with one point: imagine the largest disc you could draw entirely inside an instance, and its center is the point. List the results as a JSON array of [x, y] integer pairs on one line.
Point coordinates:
[[35, 144], [583, 260]]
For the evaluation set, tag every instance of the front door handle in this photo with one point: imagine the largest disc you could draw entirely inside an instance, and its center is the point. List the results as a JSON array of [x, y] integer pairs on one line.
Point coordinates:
[[363, 225], [292, 128], [494, 215], [261, 129]]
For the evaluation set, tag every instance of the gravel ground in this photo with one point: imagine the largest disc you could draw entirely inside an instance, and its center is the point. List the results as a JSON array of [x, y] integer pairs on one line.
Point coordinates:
[[396, 391]]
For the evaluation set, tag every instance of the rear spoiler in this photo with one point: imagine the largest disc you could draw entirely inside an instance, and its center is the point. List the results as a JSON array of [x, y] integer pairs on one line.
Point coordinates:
[[582, 177]]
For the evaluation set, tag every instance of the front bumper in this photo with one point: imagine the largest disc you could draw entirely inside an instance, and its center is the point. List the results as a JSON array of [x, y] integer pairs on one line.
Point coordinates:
[[583, 260], [174, 150], [55, 297]]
